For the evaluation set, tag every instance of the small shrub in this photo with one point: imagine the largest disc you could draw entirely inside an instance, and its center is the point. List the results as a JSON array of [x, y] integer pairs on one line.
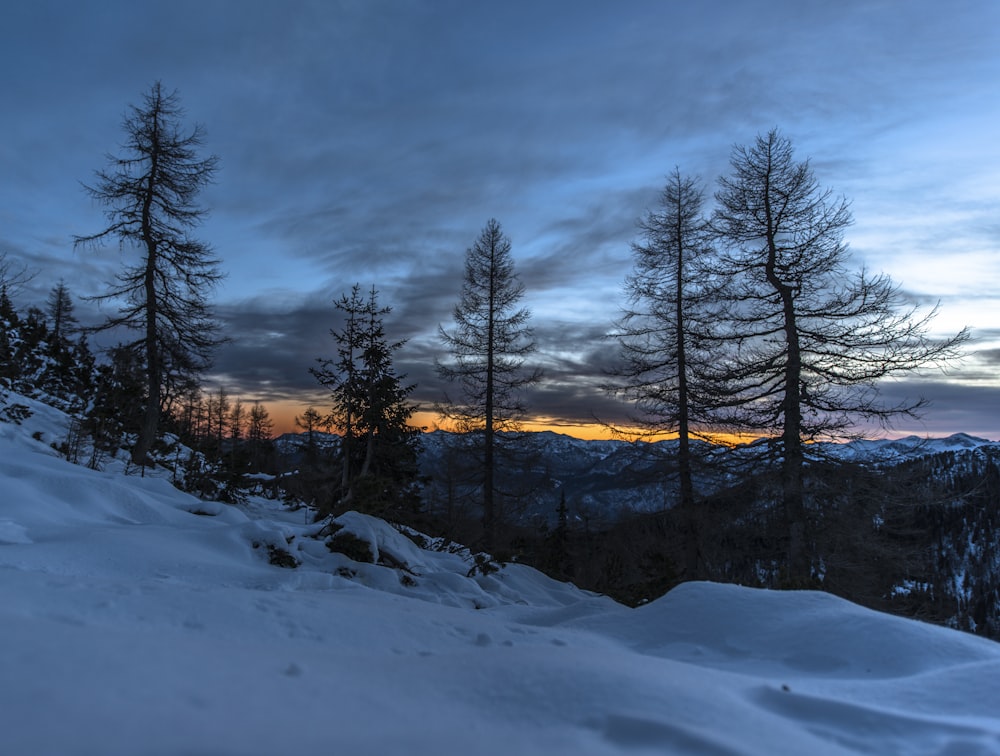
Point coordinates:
[[484, 564], [348, 544], [15, 413], [414, 536], [281, 558], [278, 556]]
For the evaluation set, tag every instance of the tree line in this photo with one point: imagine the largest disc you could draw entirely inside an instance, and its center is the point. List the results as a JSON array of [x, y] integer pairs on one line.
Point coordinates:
[[749, 318]]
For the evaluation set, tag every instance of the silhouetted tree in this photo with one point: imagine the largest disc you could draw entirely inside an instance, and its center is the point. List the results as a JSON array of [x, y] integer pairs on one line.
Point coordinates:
[[342, 377], [13, 278], [117, 408], [149, 195], [558, 559], [60, 310], [7, 312], [315, 480], [370, 407], [67, 374], [810, 337], [260, 430], [217, 417], [237, 426], [666, 331], [311, 422], [189, 416], [8, 323], [10, 337], [488, 344], [30, 353]]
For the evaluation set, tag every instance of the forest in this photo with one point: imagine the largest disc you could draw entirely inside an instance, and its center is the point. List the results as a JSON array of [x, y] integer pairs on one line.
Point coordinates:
[[746, 318]]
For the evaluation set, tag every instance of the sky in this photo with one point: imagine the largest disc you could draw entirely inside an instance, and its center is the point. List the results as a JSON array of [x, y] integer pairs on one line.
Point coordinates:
[[369, 142]]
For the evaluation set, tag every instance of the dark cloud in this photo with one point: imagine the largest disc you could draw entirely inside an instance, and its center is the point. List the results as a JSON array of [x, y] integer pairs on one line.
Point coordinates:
[[572, 392], [369, 142], [990, 356], [953, 407], [272, 348]]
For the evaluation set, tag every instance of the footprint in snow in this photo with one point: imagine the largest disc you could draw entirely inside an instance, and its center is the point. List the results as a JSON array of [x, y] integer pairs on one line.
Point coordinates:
[[483, 640]]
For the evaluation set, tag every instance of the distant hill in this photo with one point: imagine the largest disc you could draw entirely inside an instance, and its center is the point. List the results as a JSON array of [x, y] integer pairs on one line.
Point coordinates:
[[604, 479]]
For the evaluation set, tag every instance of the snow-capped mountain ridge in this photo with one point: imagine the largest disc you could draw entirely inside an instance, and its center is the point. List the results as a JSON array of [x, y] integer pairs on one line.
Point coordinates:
[[604, 478], [561, 444], [908, 447]]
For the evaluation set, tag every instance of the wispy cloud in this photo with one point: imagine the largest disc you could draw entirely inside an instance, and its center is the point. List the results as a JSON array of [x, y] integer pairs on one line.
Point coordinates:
[[370, 141]]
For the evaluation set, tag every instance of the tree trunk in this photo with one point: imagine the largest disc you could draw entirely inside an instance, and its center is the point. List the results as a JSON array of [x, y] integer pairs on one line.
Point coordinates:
[[793, 457], [151, 416], [489, 505], [688, 515]]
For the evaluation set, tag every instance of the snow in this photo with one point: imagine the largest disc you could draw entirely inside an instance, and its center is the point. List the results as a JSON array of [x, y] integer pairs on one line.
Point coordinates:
[[889, 450], [138, 620]]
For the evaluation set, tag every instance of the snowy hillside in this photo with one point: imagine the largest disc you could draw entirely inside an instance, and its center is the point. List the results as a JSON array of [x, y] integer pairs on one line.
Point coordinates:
[[138, 620]]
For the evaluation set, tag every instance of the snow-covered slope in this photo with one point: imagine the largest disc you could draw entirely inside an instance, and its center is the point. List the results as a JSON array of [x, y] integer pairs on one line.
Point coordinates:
[[137, 620]]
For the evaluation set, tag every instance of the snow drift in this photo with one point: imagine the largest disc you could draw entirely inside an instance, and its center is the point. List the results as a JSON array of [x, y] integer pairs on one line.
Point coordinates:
[[138, 620]]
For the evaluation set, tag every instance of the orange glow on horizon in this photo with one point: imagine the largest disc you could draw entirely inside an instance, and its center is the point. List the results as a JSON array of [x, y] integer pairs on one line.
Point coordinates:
[[284, 413]]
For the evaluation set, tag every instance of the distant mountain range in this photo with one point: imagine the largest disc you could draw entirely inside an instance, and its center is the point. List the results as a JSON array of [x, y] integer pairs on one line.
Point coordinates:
[[603, 479], [910, 447]]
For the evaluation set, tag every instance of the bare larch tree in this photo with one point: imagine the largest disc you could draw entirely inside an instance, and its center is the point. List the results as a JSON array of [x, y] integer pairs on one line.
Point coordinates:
[[149, 195], [665, 333], [810, 337]]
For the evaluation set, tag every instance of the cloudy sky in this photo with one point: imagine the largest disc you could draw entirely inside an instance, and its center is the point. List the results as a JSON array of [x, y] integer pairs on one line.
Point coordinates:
[[369, 141]]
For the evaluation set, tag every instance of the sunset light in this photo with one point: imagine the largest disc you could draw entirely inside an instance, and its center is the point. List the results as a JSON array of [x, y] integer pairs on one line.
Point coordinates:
[[499, 378], [370, 143]]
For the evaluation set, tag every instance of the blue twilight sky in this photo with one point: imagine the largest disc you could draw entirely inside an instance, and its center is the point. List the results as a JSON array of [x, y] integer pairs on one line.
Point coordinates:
[[369, 141]]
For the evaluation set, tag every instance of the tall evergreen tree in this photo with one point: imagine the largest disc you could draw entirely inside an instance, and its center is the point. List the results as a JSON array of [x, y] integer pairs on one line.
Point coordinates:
[[342, 377], [60, 310], [9, 322], [9, 325], [488, 345], [371, 408], [117, 407], [30, 354], [150, 198]]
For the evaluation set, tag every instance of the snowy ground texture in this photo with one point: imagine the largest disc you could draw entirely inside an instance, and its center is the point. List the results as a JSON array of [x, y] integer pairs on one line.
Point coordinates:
[[138, 620]]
